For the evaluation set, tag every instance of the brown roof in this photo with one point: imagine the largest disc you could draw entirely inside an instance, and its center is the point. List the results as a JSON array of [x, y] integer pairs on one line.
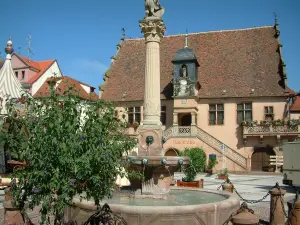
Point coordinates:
[[296, 102], [64, 84], [236, 61]]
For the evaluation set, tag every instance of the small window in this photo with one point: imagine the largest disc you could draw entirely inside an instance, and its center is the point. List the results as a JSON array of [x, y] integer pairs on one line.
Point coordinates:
[[134, 115], [269, 115], [17, 74], [216, 114], [163, 115], [23, 74], [244, 112]]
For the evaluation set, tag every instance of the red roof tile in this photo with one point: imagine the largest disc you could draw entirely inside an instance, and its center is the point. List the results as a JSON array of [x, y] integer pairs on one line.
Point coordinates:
[[236, 61], [41, 66], [64, 84], [296, 102], [29, 62], [44, 66]]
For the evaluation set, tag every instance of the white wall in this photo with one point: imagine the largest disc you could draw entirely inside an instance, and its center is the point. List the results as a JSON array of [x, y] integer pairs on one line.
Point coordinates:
[[86, 88], [49, 73]]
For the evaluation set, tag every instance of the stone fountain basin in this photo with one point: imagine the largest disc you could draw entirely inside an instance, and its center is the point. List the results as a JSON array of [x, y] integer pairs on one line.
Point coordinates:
[[202, 214], [157, 160]]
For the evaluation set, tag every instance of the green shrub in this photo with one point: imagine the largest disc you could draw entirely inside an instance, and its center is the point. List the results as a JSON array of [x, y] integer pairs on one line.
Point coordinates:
[[197, 163], [211, 163], [71, 146]]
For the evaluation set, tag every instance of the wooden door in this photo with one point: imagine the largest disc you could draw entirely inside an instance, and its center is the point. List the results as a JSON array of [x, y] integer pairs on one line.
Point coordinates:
[[171, 152], [261, 158]]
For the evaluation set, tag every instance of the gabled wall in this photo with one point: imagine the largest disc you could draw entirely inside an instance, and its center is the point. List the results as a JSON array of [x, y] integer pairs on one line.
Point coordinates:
[[49, 73]]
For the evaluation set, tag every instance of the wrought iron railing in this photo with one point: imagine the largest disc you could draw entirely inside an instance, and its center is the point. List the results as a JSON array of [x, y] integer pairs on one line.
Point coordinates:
[[194, 131]]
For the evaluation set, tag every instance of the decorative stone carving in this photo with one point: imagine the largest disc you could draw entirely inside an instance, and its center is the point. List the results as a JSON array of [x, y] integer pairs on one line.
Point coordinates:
[[184, 87], [155, 149], [152, 108], [153, 8], [184, 73], [153, 29]]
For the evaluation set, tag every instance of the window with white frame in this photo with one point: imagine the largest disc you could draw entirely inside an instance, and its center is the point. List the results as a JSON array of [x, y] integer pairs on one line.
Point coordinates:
[[269, 113], [134, 115], [244, 112], [216, 114]]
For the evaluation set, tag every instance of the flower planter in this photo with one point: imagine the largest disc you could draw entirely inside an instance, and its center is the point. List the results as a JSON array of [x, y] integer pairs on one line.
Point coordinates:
[[223, 177], [193, 184], [209, 171]]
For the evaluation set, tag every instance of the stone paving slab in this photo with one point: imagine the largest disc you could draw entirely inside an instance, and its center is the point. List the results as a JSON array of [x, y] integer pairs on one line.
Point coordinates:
[[250, 186]]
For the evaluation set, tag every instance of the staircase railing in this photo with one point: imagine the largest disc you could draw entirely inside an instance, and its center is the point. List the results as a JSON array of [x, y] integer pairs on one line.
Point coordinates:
[[194, 131]]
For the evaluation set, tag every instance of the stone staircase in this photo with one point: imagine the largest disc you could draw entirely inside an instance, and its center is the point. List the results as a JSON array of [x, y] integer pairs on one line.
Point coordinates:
[[194, 131]]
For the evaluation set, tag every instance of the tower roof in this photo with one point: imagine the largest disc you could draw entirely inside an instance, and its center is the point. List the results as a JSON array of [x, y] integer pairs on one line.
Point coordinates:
[[9, 84], [184, 54]]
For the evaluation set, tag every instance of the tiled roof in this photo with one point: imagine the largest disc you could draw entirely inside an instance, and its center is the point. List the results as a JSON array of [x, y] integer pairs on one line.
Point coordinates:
[[236, 61], [64, 83], [44, 66], [41, 66], [296, 103]]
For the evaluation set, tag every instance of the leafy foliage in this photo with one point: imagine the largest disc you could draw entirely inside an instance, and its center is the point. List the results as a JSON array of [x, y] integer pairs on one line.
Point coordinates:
[[72, 147], [223, 172], [197, 163], [211, 163]]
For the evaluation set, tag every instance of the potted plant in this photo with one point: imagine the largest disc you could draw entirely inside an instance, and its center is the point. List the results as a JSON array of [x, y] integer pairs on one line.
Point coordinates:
[[197, 164], [66, 155], [223, 175], [211, 164], [135, 125]]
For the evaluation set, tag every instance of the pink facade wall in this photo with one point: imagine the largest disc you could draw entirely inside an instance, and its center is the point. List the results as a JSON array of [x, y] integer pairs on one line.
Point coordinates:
[[19, 66], [230, 133]]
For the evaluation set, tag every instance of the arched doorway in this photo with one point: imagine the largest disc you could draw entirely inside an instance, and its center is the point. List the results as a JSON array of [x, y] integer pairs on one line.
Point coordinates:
[[185, 119], [261, 158], [171, 152]]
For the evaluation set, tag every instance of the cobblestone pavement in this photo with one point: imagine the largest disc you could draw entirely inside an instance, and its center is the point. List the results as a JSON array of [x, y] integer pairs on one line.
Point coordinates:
[[250, 187]]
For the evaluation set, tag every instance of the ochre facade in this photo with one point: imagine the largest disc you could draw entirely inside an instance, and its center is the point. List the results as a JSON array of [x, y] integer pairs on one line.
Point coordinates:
[[224, 91]]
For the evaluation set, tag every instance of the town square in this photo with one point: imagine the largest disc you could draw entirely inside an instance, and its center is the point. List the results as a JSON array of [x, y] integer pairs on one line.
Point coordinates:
[[188, 122]]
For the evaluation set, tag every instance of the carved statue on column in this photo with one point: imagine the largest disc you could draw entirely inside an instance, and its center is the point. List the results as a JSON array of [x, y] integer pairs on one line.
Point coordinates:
[[153, 8]]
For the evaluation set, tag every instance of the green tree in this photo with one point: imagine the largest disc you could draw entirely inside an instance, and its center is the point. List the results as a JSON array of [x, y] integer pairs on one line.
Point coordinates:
[[72, 147], [197, 163]]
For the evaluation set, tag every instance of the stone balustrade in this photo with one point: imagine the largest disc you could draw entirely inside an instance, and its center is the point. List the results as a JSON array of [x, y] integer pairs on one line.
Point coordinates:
[[194, 131], [256, 130]]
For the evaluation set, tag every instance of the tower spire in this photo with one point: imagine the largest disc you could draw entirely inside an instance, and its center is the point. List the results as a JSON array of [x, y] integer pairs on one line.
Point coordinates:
[[186, 39], [123, 34], [9, 49], [275, 19]]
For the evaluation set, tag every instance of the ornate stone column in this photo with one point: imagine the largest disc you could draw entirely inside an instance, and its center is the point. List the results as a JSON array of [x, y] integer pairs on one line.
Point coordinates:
[[193, 118], [175, 119], [153, 29]]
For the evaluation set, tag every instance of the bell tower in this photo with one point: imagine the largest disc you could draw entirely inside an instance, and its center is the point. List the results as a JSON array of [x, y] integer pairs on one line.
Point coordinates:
[[185, 72]]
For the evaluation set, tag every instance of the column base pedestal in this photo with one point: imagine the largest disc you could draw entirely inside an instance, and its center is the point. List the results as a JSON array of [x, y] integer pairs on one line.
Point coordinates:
[[154, 149]]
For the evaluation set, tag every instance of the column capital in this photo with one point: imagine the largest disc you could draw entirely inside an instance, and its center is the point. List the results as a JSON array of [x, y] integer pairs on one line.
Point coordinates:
[[153, 29]]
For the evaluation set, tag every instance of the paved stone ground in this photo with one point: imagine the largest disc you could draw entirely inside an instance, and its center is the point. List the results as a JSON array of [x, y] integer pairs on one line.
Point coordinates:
[[250, 187]]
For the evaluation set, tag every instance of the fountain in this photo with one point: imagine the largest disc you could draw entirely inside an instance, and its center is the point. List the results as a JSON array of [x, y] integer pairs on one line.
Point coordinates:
[[154, 201]]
